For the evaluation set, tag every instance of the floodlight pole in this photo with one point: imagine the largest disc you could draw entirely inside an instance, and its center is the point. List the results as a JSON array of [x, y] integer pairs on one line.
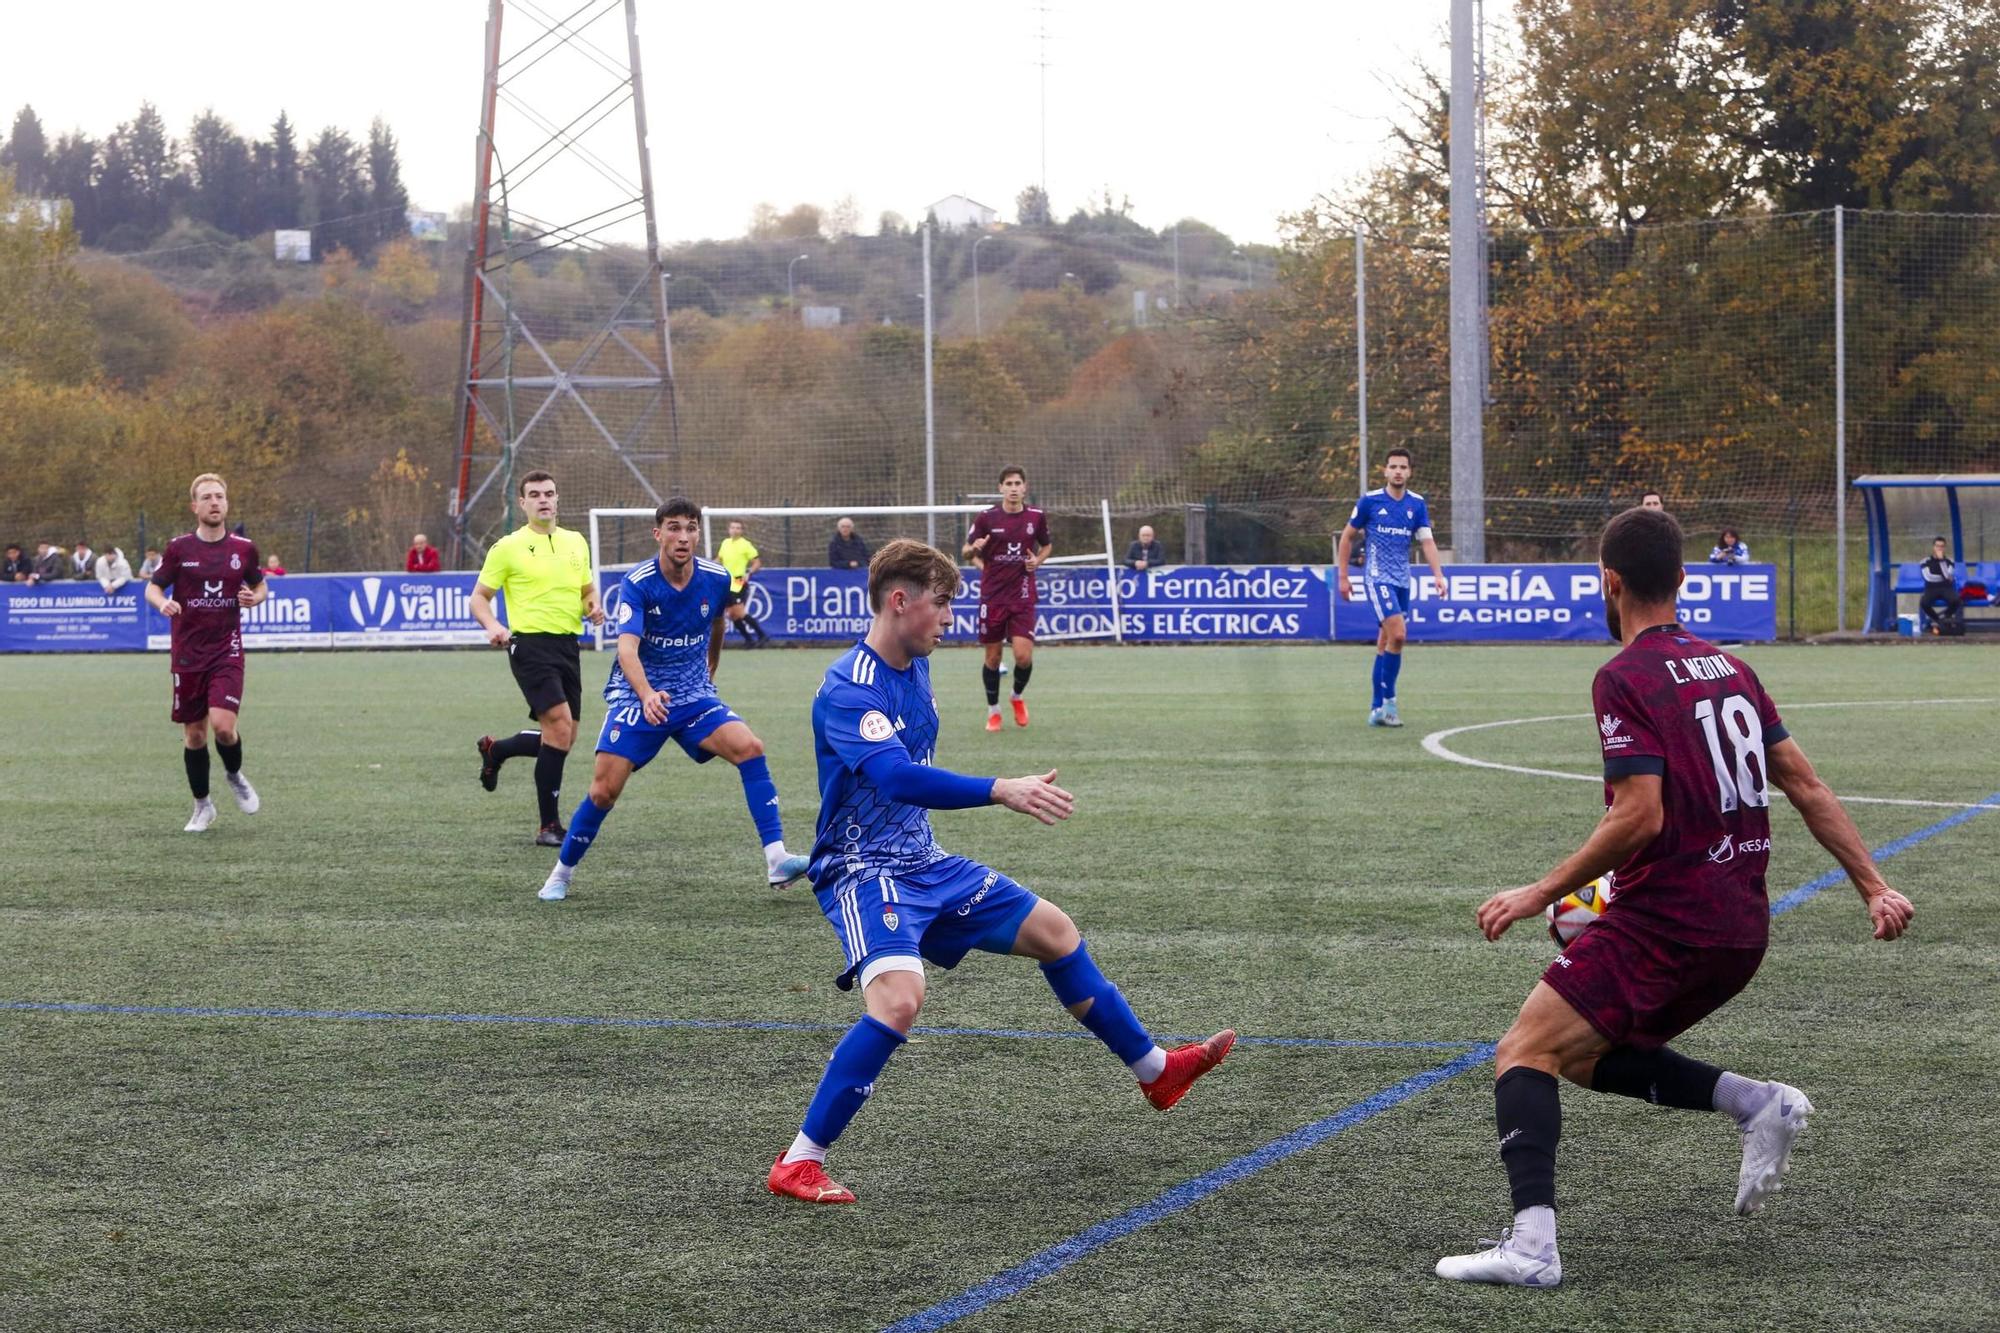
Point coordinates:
[[473, 314], [1839, 417], [1468, 333], [930, 401], [654, 267]]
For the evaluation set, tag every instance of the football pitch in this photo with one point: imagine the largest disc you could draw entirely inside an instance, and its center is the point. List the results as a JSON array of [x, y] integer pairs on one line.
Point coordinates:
[[334, 1066]]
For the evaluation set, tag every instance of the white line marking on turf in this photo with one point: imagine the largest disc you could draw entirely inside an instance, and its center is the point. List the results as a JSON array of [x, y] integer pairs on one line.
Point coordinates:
[[1435, 744]]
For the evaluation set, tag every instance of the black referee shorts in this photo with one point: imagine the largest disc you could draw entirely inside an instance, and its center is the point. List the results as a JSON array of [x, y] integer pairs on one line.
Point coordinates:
[[549, 670]]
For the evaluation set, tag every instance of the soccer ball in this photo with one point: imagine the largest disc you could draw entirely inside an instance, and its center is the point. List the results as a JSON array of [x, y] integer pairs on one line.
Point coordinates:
[[1573, 911]]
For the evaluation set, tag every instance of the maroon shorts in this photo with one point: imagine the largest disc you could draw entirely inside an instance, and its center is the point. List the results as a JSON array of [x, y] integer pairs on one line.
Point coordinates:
[[195, 692], [1006, 620], [1639, 988]]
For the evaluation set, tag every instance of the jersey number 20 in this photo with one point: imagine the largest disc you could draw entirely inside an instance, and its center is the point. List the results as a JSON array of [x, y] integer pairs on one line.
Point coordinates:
[[1739, 778]]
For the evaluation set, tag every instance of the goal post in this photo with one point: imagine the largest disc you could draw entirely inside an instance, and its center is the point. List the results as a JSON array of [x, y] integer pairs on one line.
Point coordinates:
[[1112, 626]]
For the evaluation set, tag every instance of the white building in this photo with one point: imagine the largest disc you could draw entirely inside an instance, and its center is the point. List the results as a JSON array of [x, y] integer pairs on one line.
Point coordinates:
[[955, 212]]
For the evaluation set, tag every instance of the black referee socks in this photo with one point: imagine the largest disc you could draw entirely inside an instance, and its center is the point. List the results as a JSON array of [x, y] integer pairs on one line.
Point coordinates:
[[548, 781]]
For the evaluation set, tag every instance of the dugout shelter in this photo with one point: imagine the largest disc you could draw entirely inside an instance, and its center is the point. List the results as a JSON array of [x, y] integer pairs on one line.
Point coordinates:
[[1900, 505]]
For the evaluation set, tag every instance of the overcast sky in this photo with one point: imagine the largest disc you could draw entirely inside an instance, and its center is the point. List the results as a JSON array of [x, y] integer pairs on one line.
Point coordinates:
[[1232, 113]]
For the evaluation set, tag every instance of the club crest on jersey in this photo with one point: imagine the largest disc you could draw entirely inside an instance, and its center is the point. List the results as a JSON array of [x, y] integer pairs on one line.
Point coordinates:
[[704, 610], [235, 561]]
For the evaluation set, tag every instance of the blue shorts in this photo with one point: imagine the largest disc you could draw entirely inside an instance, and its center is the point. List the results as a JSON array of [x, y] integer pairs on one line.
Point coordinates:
[[629, 735], [940, 914], [1388, 599]]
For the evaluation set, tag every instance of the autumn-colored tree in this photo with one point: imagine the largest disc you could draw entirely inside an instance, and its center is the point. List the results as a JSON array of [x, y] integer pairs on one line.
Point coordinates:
[[45, 331]]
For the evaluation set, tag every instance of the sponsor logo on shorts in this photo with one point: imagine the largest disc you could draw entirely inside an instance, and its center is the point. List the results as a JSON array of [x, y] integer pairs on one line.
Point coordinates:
[[992, 877]]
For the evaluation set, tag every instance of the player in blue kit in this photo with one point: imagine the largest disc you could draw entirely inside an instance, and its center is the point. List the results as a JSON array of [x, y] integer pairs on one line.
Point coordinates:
[[1392, 518], [670, 622], [896, 899]]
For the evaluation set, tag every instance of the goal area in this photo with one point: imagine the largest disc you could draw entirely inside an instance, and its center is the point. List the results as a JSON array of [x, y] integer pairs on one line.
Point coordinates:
[[1071, 579]]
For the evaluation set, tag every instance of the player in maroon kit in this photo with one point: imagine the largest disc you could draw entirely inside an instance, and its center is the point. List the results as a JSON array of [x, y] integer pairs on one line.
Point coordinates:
[[205, 580], [1690, 740], [1008, 543]]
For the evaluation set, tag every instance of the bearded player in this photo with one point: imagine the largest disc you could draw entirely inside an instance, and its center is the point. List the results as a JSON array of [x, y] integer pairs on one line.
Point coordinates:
[[1008, 543], [1690, 741], [205, 580]]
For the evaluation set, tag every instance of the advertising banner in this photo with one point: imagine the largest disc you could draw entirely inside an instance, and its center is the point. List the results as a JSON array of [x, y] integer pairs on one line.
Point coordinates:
[[1489, 603], [70, 617], [404, 610]]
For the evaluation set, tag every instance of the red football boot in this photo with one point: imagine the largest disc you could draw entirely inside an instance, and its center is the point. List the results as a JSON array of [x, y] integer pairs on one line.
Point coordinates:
[[1020, 712], [993, 722], [806, 1179], [1185, 1064]]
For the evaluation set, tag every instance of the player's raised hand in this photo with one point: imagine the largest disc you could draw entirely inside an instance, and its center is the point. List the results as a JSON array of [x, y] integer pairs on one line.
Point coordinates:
[[1503, 909], [655, 706], [1037, 796], [1891, 913]]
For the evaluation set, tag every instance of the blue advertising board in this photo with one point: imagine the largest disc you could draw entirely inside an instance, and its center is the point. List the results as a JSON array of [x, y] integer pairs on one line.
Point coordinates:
[[1489, 603]]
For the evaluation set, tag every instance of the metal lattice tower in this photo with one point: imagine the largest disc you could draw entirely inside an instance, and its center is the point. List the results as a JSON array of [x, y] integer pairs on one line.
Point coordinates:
[[566, 357]]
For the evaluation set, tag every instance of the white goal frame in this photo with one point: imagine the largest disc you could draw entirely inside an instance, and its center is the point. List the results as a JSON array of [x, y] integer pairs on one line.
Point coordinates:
[[1108, 557]]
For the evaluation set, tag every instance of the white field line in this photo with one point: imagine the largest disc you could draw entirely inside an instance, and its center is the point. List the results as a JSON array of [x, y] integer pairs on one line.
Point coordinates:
[[1435, 744]]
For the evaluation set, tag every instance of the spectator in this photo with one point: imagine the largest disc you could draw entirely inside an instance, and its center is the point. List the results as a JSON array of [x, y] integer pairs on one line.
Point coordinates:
[[82, 561], [846, 550], [150, 564], [1940, 590], [1729, 549], [1652, 500], [422, 557], [273, 566], [50, 563], [18, 569], [113, 571], [1145, 553]]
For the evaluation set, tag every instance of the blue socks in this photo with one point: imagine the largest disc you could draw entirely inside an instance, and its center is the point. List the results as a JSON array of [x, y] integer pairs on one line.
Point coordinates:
[[762, 795], [583, 826], [1075, 978], [850, 1077], [1388, 666], [1375, 682]]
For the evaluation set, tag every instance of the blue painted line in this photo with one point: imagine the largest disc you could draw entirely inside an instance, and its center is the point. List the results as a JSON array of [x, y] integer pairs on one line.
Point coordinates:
[[683, 1024], [1181, 1197], [1812, 888]]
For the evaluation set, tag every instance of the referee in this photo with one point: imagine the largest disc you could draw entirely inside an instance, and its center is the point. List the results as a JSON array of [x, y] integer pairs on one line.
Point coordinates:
[[545, 572]]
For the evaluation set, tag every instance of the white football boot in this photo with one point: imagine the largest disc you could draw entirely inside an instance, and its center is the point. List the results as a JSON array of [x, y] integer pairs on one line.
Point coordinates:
[[556, 888], [1768, 1137], [203, 816], [1506, 1263], [245, 794]]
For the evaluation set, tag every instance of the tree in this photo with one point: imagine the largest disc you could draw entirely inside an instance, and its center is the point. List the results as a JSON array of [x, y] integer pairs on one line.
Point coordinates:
[[45, 332], [219, 175], [404, 274], [802, 223], [764, 221], [280, 189], [1031, 207], [26, 153], [154, 167], [388, 201], [892, 223], [72, 175], [844, 218], [334, 191]]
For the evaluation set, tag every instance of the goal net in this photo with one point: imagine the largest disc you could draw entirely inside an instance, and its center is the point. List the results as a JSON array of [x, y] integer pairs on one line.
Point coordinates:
[[1079, 595]]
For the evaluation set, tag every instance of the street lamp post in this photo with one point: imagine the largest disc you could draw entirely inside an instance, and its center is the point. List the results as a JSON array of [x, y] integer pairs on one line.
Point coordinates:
[[977, 331], [789, 301]]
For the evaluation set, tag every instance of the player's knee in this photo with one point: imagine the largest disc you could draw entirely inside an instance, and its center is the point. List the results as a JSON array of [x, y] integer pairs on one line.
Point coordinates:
[[225, 736], [749, 748], [1518, 1049], [896, 997], [602, 794]]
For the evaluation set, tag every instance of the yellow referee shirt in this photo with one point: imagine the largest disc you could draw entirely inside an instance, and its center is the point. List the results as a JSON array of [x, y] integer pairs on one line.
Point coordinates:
[[736, 553], [542, 576]]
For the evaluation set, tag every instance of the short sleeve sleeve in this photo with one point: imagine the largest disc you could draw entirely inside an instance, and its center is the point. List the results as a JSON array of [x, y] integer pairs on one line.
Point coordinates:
[[163, 575], [1423, 519], [750, 550], [631, 609], [977, 530], [1359, 518], [493, 573], [856, 724], [1626, 734], [1774, 726], [253, 566]]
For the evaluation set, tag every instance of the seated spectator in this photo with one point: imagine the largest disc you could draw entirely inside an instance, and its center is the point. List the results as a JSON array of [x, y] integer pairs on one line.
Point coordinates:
[[151, 563], [1729, 549], [1145, 553], [18, 569], [82, 561], [422, 557], [50, 563], [1652, 500], [1940, 604], [113, 570], [846, 550], [273, 566]]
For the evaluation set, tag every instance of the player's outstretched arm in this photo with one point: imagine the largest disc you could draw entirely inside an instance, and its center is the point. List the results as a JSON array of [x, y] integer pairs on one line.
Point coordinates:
[[1635, 818], [902, 779], [1829, 823], [1037, 796]]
